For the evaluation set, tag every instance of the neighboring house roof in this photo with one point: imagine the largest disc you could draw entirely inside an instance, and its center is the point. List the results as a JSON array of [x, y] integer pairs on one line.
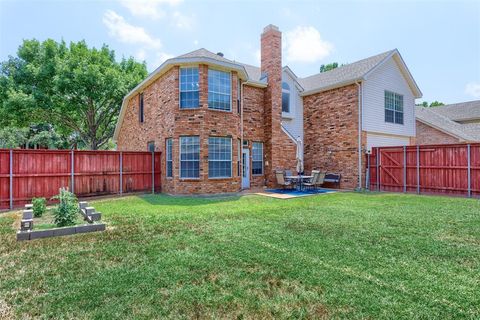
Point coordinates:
[[444, 124], [463, 111], [353, 72]]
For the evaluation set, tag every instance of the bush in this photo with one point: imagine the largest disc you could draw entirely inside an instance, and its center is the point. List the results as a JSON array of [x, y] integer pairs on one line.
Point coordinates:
[[39, 206], [67, 210]]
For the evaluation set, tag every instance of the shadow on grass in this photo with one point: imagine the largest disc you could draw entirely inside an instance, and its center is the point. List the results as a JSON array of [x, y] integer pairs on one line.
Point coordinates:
[[169, 200]]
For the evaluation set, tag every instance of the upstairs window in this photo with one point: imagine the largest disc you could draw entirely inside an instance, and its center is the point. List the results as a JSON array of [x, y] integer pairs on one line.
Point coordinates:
[[219, 157], [285, 97], [219, 90], [140, 107], [189, 88], [393, 107], [257, 158], [169, 158], [190, 157]]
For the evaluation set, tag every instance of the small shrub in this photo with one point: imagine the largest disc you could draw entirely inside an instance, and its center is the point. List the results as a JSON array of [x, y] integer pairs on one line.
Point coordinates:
[[39, 206], [66, 212]]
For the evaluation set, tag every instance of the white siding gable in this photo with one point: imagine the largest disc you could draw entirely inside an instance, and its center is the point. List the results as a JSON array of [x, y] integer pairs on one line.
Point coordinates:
[[387, 77], [293, 122]]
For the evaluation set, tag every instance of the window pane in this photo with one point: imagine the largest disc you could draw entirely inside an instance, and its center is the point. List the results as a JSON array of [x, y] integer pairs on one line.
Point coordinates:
[[257, 158], [219, 90], [189, 88], [169, 158], [285, 102], [189, 157], [393, 107], [219, 157]]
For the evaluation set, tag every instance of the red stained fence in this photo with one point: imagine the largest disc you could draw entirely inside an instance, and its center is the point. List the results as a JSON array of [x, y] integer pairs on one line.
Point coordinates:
[[40, 173], [433, 169]]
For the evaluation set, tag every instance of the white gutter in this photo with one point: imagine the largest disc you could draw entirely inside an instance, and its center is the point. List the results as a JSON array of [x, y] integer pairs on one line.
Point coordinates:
[[360, 151]]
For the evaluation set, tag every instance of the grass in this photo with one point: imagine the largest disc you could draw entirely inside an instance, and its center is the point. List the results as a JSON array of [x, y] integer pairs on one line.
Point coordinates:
[[342, 255]]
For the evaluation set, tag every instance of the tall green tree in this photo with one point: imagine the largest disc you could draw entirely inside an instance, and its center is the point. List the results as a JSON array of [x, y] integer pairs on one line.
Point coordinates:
[[435, 103], [329, 66], [77, 89]]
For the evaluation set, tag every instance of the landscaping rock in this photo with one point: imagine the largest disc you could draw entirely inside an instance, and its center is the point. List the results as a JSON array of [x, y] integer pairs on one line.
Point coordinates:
[[27, 214], [41, 234], [64, 231], [83, 204], [21, 236]]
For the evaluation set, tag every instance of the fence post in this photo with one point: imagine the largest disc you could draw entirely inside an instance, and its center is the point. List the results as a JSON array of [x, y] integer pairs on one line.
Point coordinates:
[[367, 174], [72, 172], [121, 172], [11, 179], [377, 161], [153, 171], [418, 169], [404, 169], [469, 172]]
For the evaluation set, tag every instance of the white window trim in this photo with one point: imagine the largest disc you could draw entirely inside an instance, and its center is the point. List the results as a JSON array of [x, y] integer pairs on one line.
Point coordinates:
[[231, 90], [166, 158], [291, 104], [180, 88], [385, 108], [231, 160], [180, 158], [263, 162]]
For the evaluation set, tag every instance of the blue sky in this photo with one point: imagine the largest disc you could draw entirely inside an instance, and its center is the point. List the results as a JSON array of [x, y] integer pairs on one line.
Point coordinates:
[[439, 40]]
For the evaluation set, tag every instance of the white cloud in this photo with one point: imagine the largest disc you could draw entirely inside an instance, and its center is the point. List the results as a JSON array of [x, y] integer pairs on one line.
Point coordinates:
[[473, 89], [127, 33], [304, 44], [161, 57], [182, 21], [257, 55], [141, 54], [148, 8]]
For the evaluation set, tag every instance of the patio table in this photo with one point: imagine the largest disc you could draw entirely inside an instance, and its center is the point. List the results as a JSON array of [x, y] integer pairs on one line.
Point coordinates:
[[299, 180]]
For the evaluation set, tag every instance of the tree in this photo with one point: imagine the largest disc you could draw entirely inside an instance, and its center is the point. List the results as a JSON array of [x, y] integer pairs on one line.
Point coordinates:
[[431, 105], [12, 137], [77, 89], [329, 66]]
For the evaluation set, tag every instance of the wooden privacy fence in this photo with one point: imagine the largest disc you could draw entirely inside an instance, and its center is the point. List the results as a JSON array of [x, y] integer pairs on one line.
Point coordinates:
[[25, 173], [434, 169]]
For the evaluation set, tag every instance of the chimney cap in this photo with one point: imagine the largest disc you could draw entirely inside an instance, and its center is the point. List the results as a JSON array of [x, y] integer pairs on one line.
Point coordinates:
[[270, 27], [220, 54]]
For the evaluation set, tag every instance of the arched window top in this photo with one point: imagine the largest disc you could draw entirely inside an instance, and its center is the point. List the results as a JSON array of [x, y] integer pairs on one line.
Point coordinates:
[[285, 86]]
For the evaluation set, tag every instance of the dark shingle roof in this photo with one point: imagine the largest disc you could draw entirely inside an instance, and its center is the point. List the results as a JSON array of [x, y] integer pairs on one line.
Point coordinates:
[[435, 119], [460, 111], [343, 74]]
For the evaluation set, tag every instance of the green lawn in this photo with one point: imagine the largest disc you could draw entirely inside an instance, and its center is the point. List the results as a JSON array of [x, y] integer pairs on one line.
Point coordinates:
[[342, 255]]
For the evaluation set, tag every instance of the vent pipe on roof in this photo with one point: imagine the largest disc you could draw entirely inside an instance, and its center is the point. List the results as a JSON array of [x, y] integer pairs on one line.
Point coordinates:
[[220, 54]]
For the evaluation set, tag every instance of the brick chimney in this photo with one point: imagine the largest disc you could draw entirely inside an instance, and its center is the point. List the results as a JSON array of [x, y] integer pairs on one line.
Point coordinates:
[[271, 67]]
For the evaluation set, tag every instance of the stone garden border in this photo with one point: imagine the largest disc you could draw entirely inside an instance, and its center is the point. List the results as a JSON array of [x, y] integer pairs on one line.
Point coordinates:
[[89, 214], [58, 232]]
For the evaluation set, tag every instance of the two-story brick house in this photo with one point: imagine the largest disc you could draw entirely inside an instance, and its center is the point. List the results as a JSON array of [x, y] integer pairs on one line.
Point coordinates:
[[224, 126]]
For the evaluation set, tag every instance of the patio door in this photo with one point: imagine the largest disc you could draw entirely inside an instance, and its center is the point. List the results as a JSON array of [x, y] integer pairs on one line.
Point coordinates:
[[245, 169]]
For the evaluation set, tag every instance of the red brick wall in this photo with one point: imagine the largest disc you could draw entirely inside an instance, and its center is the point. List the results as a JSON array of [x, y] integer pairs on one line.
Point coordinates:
[[253, 124], [279, 148], [164, 119], [331, 133], [429, 135]]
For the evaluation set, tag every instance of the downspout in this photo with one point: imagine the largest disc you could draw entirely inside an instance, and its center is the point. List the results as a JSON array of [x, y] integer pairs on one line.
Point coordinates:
[[360, 105], [241, 133]]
